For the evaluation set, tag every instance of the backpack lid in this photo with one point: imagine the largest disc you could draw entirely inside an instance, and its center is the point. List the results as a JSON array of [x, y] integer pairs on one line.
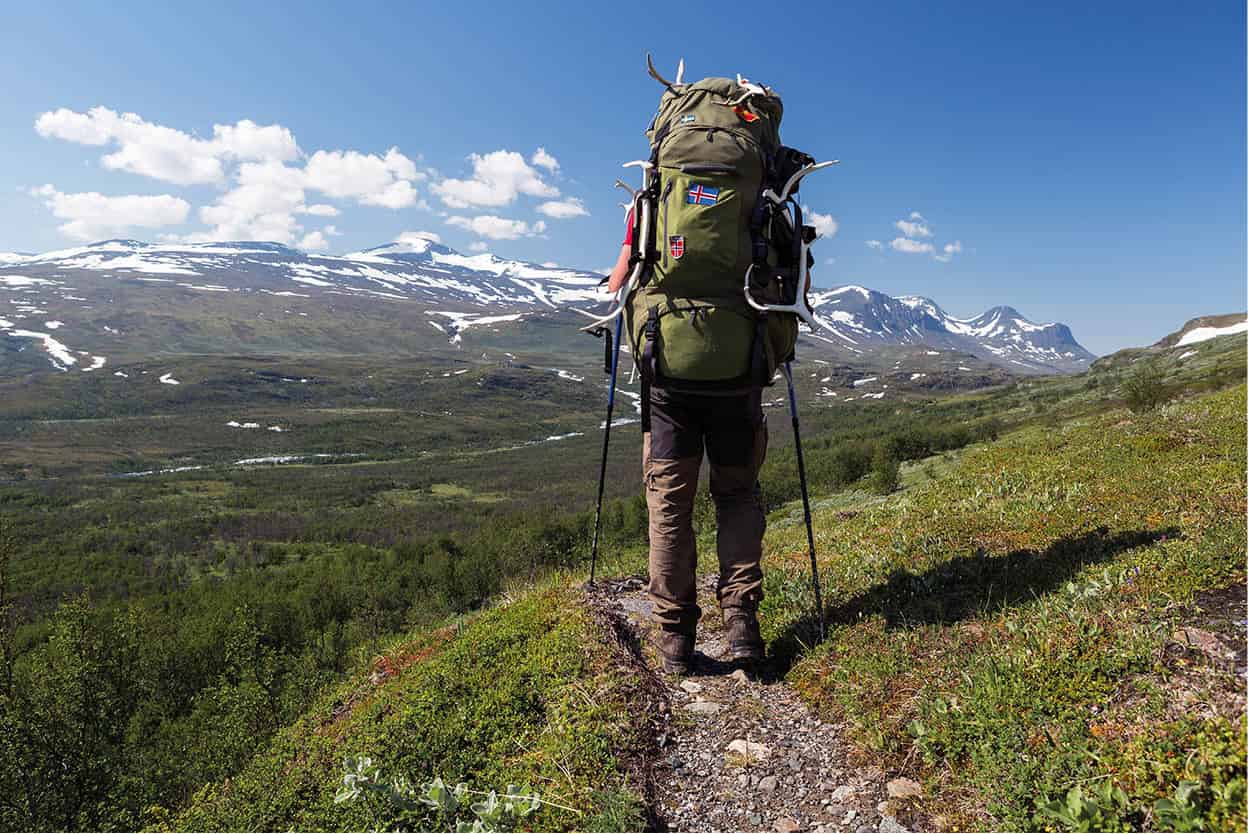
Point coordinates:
[[720, 93]]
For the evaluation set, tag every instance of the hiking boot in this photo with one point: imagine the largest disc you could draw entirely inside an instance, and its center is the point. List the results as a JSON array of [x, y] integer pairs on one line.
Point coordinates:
[[676, 651], [745, 643]]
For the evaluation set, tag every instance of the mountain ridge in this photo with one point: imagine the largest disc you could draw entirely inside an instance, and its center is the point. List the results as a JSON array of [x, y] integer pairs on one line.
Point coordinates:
[[460, 291]]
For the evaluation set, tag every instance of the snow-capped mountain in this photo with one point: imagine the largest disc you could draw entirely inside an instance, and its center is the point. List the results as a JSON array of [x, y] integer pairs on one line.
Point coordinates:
[[421, 269], [217, 297], [860, 318]]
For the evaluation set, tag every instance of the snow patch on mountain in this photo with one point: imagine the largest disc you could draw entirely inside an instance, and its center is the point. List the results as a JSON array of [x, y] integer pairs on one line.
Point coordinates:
[[459, 322], [58, 353], [1203, 334]]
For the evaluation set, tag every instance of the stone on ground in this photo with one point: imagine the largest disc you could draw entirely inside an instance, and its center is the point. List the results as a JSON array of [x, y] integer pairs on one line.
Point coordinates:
[[904, 788], [704, 707], [751, 750]]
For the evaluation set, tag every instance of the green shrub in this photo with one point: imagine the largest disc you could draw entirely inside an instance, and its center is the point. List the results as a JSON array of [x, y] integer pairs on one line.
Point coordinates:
[[885, 474], [1145, 389]]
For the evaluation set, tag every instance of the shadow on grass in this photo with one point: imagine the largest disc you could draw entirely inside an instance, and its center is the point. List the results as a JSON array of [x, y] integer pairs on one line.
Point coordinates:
[[968, 586]]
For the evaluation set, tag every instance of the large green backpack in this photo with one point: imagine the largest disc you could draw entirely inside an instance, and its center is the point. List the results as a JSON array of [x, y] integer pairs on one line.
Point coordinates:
[[714, 149]]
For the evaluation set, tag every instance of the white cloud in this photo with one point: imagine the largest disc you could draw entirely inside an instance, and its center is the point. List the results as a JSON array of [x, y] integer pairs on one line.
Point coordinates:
[[93, 128], [915, 227], [268, 176], [412, 238], [564, 209], [825, 224], [911, 247], [164, 153], [398, 194], [248, 140], [92, 216], [875, 244], [260, 207], [949, 250], [478, 246], [497, 228], [369, 178], [267, 195], [545, 160], [313, 241], [497, 179]]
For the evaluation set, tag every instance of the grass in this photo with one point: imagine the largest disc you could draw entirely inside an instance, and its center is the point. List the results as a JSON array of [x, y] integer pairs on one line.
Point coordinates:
[[999, 624], [527, 693], [985, 622]]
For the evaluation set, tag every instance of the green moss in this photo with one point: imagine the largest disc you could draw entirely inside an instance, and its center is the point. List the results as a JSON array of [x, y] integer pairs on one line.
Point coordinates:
[[524, 694]]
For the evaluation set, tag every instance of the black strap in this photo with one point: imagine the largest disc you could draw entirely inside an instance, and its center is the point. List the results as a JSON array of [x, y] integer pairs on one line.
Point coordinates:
[[758, 355], [648, 366]]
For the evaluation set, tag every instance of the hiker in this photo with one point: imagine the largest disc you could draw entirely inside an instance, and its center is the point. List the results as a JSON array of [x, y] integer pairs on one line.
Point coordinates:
[[733, 430], [704, 350]]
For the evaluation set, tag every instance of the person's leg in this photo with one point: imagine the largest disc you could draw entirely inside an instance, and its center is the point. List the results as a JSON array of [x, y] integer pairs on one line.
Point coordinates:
[[736, 441], [672, 456]]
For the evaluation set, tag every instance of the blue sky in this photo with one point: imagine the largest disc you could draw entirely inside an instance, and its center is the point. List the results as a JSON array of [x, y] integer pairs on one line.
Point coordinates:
[[1088, 159]]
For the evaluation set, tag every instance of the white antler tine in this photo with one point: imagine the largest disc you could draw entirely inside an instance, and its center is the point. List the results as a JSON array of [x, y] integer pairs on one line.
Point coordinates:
[[680, 72], [654, 73]]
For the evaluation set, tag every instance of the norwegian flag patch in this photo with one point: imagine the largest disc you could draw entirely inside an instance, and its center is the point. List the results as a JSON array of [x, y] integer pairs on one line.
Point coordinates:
[[676, 245], [703, 195]]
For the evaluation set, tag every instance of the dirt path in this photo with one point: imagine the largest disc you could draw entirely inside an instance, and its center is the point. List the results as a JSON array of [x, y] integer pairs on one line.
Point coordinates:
[[742, 754]]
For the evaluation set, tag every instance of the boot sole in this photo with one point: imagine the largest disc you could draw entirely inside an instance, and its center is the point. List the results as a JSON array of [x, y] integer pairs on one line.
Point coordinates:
[[751, 655], [676, 667]]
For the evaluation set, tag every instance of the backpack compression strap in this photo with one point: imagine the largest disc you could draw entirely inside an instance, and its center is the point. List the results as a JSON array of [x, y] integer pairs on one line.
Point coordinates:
[[649, 367]]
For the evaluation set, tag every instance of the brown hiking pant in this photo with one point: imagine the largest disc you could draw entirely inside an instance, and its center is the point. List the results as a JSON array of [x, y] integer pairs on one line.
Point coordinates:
[[734, 433]]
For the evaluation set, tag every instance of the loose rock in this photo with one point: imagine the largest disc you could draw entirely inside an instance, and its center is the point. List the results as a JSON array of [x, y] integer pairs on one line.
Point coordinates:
[[704, 707], [787, 825], [752, 750], [843, 793], [904, 788], [768, 784]]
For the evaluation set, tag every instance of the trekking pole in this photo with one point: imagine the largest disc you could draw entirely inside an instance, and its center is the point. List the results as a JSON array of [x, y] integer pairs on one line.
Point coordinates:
[[606, 440], [801, 475]]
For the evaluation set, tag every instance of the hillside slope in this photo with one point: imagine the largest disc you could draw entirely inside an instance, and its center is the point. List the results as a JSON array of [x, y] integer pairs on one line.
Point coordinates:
[[534, 693], [1026, 624], [1051, 611]]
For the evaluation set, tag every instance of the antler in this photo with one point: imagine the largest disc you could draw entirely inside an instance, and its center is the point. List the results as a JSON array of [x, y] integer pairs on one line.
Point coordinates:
[[750, 89], [654, 73], [671, 85]]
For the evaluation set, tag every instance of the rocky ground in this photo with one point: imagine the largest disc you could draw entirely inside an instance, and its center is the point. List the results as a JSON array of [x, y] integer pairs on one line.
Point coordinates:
[[741, 753]]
